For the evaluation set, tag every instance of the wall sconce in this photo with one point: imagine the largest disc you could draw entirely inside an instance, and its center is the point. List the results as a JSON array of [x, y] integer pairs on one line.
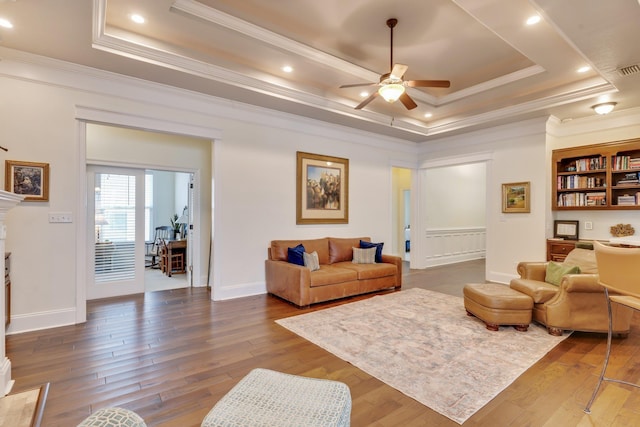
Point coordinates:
[[604, 108], [391, 92]]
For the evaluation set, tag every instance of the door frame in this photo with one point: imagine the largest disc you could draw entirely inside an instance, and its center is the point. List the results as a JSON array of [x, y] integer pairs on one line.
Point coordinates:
[[84, 115]]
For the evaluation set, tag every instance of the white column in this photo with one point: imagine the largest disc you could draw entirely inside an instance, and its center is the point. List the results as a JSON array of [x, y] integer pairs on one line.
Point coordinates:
[[7, 201]]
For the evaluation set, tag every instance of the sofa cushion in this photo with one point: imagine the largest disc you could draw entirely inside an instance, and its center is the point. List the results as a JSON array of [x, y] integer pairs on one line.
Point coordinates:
[[341, 249], [295, 255], [321, 246], [378, 246], [369, 271], [556, 270], [541, 292], [583, 258], [311, 261], [332, 275], [364, 256]]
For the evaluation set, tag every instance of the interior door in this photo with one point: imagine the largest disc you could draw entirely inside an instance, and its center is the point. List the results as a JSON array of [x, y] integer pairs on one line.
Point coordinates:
[[115, 206]]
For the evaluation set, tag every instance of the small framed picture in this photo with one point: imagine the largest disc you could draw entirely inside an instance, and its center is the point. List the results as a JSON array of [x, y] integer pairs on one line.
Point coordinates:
[[28, 179], [567, 230], [516, 197]]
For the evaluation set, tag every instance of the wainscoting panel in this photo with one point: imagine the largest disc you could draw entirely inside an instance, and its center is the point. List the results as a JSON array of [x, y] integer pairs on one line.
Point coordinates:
[[448, 246]]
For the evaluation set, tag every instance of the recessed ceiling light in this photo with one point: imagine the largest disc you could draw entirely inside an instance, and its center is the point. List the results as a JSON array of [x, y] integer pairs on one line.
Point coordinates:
[[364, 94], [533, 20], [428, 115], [584, 69], [5, 23], [287, 69], [138, 19]]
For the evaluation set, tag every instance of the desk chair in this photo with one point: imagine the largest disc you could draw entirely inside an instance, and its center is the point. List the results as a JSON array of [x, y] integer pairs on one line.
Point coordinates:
[[170, 261], [152, 248], [619, 275]]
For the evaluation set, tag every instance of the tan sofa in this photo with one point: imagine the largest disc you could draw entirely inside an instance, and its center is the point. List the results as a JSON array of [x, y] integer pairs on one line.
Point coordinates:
[[577, 304], [338, 276]]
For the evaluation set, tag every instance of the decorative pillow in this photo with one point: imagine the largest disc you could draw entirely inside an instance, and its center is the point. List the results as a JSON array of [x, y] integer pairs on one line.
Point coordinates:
[[364, 256], [556, 270], [311, 261], [295, 255], [378, 246]]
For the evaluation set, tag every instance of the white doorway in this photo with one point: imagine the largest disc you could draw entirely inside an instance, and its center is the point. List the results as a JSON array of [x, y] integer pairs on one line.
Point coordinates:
[[168, 203], [401, 212]]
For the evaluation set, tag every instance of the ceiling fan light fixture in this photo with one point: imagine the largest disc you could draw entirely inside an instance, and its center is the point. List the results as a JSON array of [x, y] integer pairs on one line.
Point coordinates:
[[604, 108], [391, 92]]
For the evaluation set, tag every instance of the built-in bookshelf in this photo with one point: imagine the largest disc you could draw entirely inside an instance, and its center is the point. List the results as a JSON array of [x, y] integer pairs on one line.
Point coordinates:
[[599, 176]]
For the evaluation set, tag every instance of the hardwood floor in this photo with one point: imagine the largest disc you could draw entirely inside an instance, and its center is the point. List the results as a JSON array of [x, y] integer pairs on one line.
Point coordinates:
[[171, 355]]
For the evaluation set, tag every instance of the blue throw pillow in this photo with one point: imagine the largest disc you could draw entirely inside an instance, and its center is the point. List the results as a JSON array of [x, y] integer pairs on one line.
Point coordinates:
[[378, 246], [296, 255]]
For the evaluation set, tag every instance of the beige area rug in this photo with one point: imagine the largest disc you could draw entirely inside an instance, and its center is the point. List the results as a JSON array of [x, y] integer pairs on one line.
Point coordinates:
[[423, 344], [23, 409]]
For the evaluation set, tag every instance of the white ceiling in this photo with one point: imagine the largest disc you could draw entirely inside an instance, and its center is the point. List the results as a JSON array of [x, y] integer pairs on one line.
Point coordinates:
[[500, 69]]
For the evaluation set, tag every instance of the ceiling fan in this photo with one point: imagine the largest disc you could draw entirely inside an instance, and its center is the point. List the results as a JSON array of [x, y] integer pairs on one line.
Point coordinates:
[[392, 87]]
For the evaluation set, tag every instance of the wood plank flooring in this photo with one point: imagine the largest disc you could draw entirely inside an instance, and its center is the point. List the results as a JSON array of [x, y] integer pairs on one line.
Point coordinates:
[[171, 355]]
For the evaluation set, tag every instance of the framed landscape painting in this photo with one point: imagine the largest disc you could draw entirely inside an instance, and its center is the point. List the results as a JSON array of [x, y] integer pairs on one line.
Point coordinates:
[[516, 197], [28, 179], [322, 189]]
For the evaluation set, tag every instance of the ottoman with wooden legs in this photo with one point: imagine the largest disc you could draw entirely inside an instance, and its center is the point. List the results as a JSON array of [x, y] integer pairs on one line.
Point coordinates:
[[497, 304]]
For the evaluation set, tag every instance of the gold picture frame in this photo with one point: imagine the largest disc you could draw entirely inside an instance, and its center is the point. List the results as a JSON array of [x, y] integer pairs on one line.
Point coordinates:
[[322, 189], [516, 197], [29, 179]]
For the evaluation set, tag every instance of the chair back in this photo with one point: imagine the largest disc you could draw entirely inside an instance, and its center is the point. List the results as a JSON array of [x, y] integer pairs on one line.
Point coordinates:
[[163, 232], [619, 268]]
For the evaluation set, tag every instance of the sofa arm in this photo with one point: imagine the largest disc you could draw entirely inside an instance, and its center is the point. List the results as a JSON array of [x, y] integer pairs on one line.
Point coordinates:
[[397, 261], [288, 281], [532, 270], [586, 283]]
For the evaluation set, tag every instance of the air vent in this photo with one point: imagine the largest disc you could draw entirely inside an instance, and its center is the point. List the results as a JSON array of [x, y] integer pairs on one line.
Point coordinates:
[[631, 69]]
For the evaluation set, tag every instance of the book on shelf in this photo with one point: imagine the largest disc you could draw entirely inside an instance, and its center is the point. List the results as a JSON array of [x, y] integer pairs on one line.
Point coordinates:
[[596, 198], [627, 200]]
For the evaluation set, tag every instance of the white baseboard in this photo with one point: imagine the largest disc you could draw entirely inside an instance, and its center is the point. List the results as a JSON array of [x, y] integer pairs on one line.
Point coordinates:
[[42, 320], [238, 291], [503, 278], [452, 259]]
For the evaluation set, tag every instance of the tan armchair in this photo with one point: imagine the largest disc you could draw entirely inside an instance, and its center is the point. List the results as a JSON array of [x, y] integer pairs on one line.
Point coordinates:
[[577, 304]]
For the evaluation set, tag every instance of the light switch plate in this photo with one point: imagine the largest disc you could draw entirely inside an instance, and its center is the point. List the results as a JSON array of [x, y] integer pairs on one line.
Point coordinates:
[[588, 225], [60, 217]]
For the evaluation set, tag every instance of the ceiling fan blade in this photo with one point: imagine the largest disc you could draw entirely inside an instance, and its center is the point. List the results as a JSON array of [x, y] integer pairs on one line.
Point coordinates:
[[358, 85], [368, 100], [428, 83], [407, 101], [399, 70]]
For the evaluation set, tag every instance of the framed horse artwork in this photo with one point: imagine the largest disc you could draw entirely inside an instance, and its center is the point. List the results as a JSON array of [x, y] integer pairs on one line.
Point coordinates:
[[322, 189]]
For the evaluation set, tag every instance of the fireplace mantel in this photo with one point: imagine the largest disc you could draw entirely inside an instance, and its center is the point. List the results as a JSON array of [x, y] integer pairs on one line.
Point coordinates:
[[7, 201]]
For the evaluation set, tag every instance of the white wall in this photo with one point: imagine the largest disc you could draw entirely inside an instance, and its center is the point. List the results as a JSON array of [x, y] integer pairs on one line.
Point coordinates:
[[455, 196], [253, 159]]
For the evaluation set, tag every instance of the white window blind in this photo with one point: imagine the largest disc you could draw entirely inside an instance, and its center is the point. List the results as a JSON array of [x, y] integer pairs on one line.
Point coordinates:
[[116, 226]]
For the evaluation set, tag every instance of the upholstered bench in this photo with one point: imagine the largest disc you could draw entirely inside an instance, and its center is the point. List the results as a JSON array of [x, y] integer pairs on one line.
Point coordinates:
[[497, 304], [113, 417], [270, 398]]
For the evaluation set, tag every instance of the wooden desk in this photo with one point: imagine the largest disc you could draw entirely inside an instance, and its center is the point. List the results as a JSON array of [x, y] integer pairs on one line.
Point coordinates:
[[177, 245]]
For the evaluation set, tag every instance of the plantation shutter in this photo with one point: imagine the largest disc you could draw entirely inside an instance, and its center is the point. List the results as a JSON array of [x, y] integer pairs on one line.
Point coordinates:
[[115, 224]]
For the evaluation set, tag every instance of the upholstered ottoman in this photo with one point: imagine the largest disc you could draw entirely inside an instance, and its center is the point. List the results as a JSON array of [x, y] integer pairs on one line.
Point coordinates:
[[497, 304], [269, 398], [113, 417]]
